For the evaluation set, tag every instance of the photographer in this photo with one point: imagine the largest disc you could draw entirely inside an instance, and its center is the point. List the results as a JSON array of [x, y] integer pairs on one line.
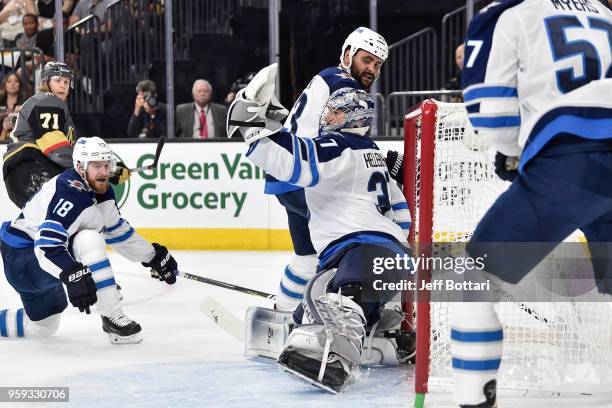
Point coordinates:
[[149, 118]]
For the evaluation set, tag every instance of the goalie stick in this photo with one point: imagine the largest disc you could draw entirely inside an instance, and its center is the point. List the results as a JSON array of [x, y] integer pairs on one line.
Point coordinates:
[[160, 145]]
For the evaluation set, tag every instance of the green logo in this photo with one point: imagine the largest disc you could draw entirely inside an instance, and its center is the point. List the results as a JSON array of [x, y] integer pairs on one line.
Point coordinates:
[[121, 190]]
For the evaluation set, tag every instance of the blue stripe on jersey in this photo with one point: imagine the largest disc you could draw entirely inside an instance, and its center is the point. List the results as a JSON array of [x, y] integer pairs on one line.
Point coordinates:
[[312, 160], [53, 225], [99, 265], [477, 337], [12, 240], [586, 122], [297, 160], [53, 235], [476, 365], [404, 225], [252, 147], [105, 283], [481, 29], [19, 321], [120, 238], [291, 294], [399, 206], [294, 278], [47, 243], [279, 187], [3, 331], [117, 225], [496, 122], [490, 92]]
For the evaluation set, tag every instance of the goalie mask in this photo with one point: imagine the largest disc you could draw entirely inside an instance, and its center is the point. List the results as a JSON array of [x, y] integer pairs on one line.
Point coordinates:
[[347, 109], [89, 149]]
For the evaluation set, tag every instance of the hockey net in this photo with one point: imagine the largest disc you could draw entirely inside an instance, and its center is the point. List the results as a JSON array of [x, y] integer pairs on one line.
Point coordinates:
[[557, 347]]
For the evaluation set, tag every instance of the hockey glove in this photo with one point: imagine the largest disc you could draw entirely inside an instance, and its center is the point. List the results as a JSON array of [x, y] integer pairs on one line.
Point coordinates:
[[246, 116], [120, 175], [395, 164], [506, 167], [163, 266], [80, 286]]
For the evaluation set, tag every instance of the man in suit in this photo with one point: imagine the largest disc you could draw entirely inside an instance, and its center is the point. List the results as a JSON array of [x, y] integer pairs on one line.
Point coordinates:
[[201, 119]]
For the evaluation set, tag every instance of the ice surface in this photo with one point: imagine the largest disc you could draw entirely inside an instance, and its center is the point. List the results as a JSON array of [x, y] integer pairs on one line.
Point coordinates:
[[187, 361]]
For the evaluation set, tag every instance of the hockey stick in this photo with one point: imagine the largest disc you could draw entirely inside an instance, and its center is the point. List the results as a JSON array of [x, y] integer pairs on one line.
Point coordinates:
[[160, 145], [225, 285]]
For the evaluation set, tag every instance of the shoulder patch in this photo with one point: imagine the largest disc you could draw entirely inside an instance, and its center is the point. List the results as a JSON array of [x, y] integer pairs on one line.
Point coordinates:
[[78, 185]]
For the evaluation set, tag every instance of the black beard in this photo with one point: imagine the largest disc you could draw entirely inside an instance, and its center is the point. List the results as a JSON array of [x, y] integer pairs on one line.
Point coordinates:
[[359, 77]]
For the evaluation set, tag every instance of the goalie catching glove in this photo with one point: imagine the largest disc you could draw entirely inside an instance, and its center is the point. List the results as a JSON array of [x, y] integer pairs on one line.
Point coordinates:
[[163, 266], [255, 112]]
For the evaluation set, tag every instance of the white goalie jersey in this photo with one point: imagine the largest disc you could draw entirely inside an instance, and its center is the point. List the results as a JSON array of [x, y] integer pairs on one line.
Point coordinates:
[[347, 187], [535, 69]]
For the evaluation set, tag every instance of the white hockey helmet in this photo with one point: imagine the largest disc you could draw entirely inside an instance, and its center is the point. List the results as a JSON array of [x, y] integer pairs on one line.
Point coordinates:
[[364, 39], [88, 149]]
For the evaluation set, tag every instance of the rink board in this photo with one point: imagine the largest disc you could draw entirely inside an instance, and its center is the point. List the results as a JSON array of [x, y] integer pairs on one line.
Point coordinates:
[[201, 196]]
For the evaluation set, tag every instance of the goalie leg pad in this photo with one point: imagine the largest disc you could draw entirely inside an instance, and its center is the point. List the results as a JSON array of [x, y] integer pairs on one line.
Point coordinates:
[[266, 332], [326, 349]]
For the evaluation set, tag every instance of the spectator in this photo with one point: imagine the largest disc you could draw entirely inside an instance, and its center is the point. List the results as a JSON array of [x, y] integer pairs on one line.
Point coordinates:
[[11, 17], [12, 93], [201, 119], [9, 123], [149, 118], [46, 11], [455, 82], [27, 38]]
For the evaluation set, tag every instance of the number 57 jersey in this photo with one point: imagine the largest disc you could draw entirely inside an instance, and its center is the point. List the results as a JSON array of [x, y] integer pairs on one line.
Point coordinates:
[[348, 190], [535, 69]]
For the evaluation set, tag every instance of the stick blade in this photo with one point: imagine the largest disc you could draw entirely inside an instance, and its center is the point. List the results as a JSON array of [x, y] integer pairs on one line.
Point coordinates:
[[223, 318]]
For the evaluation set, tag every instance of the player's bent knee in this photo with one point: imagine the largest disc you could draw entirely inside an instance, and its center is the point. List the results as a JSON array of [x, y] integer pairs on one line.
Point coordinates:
[[89, 246], [43, 328]]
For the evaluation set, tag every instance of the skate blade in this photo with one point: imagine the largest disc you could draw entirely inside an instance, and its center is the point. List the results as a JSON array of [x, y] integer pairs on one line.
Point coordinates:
[[133, 339], [308, 380]]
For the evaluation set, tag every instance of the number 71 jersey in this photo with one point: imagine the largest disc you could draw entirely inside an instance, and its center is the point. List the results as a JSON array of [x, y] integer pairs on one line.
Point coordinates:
[[527, 60]]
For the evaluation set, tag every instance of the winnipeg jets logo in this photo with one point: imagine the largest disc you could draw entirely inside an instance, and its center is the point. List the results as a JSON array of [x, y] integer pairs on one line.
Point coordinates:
[[345, 75], [77, 184]]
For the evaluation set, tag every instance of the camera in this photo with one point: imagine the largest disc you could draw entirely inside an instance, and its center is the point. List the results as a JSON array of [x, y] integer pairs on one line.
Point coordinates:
[[150, 99]]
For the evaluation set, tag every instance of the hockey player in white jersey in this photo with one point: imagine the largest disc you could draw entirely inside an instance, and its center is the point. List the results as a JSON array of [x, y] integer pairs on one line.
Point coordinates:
[[361, 58], [60, 237], [538, 87], [358, 215]]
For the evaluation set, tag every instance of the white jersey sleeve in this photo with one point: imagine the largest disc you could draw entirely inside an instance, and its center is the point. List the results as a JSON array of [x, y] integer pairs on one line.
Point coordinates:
[[348, 189], [119, 234], [522, 56]]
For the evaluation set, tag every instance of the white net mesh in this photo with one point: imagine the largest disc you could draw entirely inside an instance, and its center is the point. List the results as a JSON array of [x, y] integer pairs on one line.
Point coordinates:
[[548, 346]]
